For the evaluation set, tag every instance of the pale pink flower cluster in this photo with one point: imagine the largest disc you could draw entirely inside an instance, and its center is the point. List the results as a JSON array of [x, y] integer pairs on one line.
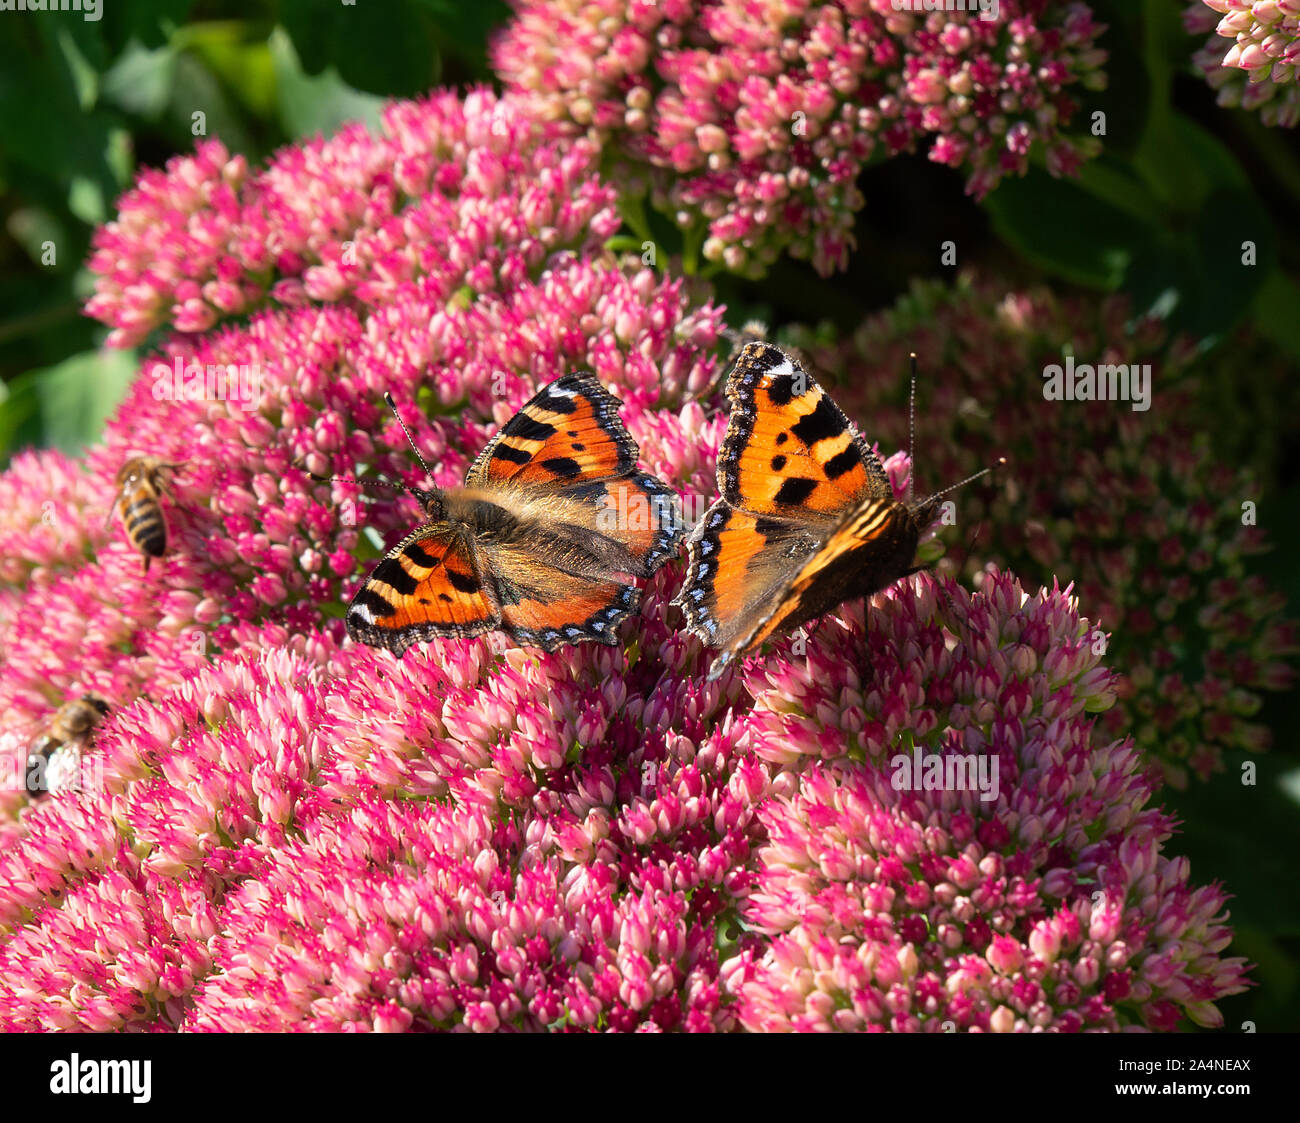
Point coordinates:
[[302, 836], [1259, 69], [451, 193], [256, 548], [749, 124], [293, 832], [929, 910], [173, 252], [48, 504]]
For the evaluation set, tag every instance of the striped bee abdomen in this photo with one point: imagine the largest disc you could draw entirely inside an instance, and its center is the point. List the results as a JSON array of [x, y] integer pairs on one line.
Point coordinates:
[[142, 516]]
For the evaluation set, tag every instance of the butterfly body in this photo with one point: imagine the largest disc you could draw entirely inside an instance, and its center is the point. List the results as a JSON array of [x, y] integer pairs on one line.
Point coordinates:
[[868, 550], [806, 520], [542, 542]]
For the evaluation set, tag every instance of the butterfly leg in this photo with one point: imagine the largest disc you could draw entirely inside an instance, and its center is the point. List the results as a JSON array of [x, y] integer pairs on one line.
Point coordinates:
[[867, 663]]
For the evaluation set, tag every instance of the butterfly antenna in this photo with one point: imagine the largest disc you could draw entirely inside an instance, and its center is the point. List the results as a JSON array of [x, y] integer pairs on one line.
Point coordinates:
[[911, 436], [970, 544], [1000, 462], [348, 479], [393, 406]]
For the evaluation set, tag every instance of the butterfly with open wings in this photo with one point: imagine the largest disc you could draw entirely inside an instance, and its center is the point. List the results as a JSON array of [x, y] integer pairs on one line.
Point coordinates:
[[543, 541], [806, 517]]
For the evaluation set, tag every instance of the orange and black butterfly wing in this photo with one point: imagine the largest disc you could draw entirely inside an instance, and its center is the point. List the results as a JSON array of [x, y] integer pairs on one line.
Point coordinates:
[[738, 565], [790, 468], [789, 451], [872, 547], [549, 598], [634, 521], [567, 455], [568, 432], [429, 586], [806, 519]]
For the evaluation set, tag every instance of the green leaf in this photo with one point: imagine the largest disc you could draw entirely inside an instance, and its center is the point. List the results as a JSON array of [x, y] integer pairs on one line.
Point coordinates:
[[195, 88], [379, 48], [1128, 89], [1110, 229], [467, 25], [462, 32], [1231, 217], [1165, 281], [32, 227], [1275, 307], [1165, 49], [311, 105], [1195, 271], [19, 416], [1245, 836], [85, 78], [1113, 181], [75, 397], [1066, 230], [38, 86], [86, 200], [1184, 165], [239, 59], [147, 22], [140, 81]]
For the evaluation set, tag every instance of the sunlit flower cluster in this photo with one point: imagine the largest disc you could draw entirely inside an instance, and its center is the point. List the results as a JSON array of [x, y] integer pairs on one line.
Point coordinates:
[[1009, 908], [257, 550], [749, 125], [450, 195], [300, 836], [1257, 69], [47, 521], [289, 831]]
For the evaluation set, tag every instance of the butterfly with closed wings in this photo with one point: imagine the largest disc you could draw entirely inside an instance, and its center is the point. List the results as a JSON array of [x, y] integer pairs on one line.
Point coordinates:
[[806, 517], [543, 541]]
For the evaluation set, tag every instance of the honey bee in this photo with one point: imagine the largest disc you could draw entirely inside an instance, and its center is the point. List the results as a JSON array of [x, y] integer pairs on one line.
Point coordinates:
[[141, 485], [55, 756]]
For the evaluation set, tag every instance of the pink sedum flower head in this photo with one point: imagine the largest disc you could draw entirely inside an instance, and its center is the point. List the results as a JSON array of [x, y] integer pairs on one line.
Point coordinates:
[[291, 832], [304, 837], [1256, 68], [454, 193], [749, 126], [459, 305], [177, 230], [48, 504], [1020, 898]]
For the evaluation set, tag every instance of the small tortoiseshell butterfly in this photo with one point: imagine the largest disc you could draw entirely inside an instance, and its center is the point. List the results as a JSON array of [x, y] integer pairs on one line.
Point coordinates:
[[553, 522], [806, 520]]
